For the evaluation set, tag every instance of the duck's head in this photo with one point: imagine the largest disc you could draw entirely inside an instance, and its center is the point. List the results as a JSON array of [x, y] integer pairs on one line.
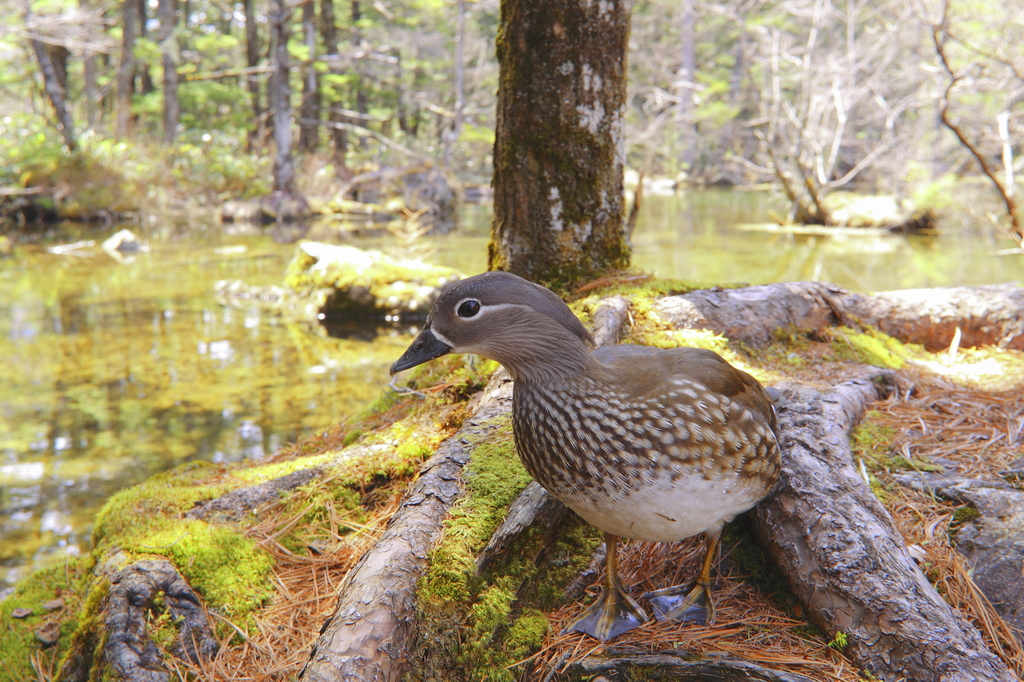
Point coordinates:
[[501, 316]]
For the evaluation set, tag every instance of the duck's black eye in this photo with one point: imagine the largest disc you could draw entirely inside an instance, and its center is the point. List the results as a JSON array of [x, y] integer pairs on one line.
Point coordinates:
[[469, 308]]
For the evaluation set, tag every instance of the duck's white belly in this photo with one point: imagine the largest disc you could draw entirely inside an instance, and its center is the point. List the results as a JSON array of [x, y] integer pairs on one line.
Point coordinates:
[[663, 511]]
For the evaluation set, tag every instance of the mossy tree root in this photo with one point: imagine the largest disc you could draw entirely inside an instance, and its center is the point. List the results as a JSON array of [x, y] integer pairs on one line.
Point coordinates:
[[134, 594], [845, 559], [373, 629]]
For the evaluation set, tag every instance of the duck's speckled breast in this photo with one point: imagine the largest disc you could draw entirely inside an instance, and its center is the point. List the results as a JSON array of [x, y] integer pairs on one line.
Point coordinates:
[[661, 466]]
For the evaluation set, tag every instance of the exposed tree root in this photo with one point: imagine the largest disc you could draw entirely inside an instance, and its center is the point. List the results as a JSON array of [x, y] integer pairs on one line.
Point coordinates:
[[991, 315], [846, 560]]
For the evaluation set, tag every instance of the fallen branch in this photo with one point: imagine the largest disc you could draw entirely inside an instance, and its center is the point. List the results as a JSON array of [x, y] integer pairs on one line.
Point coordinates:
[[680, 669]]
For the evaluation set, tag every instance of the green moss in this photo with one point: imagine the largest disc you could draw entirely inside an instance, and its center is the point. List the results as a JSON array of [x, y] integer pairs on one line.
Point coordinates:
[[494, 477], [526, 634], [87, 639], [17, 635], [360, 282], [477, 624], [227, 568], [965, 514], [872, 442], [872, 347], [692, 338], [643, 291]]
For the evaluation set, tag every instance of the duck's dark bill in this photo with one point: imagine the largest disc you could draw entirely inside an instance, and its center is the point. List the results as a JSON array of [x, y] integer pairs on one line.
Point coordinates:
[[425, 347]]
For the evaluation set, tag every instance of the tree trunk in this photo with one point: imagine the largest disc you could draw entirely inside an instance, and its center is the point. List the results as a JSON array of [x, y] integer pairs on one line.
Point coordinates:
[[451, 135], [309, 133], [142, 69], [400, 105], [54, 88], [169, 48], [359, 90], [559, 146], [89, 76], [252, 58], [126, 70], [339, 137], [284, 166], [687, 80]]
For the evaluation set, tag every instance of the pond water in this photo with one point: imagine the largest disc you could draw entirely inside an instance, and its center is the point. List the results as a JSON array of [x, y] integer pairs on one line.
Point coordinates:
[[115, 371]]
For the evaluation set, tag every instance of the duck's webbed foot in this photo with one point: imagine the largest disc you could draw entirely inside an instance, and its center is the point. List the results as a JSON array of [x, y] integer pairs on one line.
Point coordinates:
[[689, 603], [684, 603], [614, 612]]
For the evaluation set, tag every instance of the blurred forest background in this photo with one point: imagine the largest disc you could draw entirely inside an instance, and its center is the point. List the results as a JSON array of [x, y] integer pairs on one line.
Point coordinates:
[[109, 103]]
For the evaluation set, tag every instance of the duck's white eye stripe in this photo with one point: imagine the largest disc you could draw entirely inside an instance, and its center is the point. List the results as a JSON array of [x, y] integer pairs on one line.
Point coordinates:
[[442, 338]]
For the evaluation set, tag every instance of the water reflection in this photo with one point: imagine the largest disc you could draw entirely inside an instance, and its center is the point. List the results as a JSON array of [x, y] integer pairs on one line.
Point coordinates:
[[113, 372]]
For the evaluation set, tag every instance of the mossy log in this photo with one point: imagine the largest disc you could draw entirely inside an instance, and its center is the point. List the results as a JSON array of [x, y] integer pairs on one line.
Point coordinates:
[[844, 557], [992, 315]]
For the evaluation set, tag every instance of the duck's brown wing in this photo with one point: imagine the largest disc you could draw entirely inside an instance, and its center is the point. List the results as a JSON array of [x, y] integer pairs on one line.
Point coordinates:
[[648, 369]]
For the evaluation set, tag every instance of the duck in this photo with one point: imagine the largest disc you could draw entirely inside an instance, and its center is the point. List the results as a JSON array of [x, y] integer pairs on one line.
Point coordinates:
[[643, 443]]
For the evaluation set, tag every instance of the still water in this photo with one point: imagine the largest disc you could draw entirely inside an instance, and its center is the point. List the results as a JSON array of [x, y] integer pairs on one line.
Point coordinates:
[[114, 371]]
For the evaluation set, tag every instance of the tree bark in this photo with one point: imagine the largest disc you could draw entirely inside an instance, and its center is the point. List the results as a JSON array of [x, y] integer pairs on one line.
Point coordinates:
[[169, 48], [54, 87], [451, 135], [823, 527], [284, 166], [89, 76], [687, 80], [845, 559], [126, 69], [559, 146], [142, 69], [309, 133], [119, 634], [678, 669]]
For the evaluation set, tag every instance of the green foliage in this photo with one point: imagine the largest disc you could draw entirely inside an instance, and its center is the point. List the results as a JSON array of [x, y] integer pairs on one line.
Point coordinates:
[[839, 642], [30, 147], [106, 174]]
